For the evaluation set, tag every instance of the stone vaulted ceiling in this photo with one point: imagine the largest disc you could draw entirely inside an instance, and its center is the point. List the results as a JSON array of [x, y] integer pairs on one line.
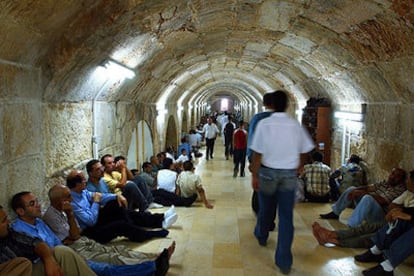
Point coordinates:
[[351, 51]]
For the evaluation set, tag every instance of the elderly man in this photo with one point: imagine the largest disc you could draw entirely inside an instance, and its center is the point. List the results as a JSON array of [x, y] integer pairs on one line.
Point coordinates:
[[60, 260], [103, 217], [29, 222], [371, 201], [60, 218]]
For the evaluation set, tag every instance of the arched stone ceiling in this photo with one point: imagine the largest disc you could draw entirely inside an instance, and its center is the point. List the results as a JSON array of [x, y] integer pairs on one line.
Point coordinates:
[[351, 51]]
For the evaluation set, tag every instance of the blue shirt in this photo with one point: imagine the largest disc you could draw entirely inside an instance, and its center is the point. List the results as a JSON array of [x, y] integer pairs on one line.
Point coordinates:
[[252, 126], [38, 230], [86, 211], [185, 146], [101, 188]]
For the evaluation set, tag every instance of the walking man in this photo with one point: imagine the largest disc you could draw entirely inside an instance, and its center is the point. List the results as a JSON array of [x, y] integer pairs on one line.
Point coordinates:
[[277, 144]]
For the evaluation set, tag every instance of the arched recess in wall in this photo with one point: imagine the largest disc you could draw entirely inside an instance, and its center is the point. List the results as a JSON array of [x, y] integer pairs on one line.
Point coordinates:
[[192, 124], [140, 148], [171, 135], [184, 125]]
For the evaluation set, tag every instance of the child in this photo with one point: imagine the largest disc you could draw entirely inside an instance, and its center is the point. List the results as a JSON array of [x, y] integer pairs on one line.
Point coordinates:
[[189, 183]]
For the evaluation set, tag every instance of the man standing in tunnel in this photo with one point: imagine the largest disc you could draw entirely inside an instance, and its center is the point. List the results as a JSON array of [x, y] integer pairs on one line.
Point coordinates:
[[277, 144], [210, 131]]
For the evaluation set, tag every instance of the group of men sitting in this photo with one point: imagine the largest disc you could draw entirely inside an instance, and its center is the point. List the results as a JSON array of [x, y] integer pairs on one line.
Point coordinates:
[[85, 214], [382, 221]]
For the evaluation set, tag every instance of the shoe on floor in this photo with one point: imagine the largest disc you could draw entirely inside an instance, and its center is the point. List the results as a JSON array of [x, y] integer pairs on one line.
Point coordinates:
[[155, 205], [169, 212], [330, 215], [368, 257], [377, 271], [168, 221]]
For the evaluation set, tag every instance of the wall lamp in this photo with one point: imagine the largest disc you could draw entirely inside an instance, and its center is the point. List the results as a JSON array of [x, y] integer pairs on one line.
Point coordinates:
[[350, 116], [115, 68]]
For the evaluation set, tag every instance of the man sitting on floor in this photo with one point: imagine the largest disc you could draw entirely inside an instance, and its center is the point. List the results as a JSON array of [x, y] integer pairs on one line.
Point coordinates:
[[60, 218], [60, 260], [29, 222], [370, 201], [103, 217]]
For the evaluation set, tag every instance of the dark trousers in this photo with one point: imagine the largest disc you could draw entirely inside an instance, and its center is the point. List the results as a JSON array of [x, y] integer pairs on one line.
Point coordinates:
[[228, 146], [334, 192], [114, 221], [239, 159], [167, 198], [210, 147], [138, 194]]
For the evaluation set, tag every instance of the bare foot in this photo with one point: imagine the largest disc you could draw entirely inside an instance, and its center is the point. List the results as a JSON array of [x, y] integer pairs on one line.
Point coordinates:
[[315, 230], [171, 249]]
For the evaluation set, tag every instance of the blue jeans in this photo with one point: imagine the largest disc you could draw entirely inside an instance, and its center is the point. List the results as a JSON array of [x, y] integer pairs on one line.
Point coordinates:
[[277, 192], [397, 245], [367, 208], [104, 269]]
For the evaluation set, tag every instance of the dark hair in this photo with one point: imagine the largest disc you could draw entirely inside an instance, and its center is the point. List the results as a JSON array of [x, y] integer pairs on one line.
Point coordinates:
[[71, 181], [183, 149], [103, 158], [317, 156], [119, 157], [167, 163], [188, 166], [267, 99], [17, 201], [280, 100], [90, 164], [411, 175], [146, 165], [354, 159]]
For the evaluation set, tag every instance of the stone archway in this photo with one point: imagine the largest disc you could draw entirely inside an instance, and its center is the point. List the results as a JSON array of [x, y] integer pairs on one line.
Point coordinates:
[[171, 134], [184, 125], [141, 146]]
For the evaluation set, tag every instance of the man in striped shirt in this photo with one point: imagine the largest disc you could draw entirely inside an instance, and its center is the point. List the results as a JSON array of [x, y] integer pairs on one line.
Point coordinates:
[[370, 201]]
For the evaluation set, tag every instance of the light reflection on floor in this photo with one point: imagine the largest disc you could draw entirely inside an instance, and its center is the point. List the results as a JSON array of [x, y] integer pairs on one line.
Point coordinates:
[[220, 241]]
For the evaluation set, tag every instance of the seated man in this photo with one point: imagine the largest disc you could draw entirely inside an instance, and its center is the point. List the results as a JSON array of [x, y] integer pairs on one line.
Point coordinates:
[[103, 217], [189, 183], [166, 192], [148, 178], [394, 240], [60, 218], [45, 260], [316, 178], [370, 201], [120, 180], [346, 176], [29, 222]]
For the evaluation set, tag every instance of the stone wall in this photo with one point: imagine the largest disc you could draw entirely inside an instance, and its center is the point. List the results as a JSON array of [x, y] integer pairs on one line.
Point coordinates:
[[22, 163], [384, 141]]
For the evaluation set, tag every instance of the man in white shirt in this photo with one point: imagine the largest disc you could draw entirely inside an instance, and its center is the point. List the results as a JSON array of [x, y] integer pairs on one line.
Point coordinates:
[[277, 144], [210, 131]]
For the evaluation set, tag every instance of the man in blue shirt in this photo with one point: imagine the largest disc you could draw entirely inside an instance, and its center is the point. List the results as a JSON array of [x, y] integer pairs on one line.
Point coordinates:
[[27, 208], [15, 246]]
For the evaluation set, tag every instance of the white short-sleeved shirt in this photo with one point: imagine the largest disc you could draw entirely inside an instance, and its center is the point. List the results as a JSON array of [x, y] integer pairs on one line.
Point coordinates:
[[210, 131], [166, 180], [280, 140]]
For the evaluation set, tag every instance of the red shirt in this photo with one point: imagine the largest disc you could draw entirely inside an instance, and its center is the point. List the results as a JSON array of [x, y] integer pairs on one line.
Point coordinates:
[[240, 139]]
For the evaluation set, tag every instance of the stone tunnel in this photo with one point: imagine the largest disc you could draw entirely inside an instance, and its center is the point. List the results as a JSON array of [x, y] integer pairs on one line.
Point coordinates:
[[61, 105]]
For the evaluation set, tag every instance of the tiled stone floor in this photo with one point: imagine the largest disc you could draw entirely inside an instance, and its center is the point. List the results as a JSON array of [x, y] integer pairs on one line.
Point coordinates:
[[219, 241]]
